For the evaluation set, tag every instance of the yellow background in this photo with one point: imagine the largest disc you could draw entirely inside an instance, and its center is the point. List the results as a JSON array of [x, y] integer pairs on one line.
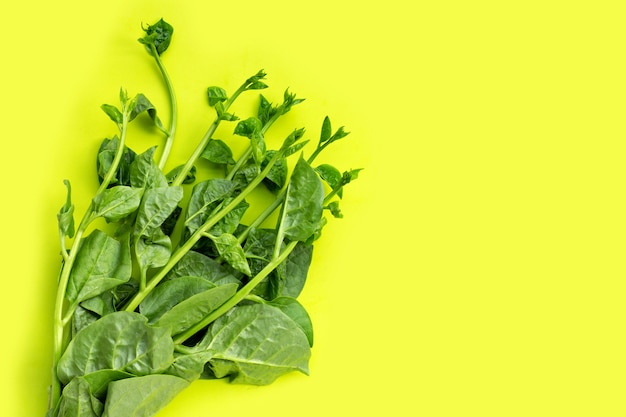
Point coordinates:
[[479, 269]]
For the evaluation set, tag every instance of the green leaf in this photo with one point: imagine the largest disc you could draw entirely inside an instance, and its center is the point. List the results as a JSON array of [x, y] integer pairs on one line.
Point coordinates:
[[106, 154], [154, 250], [295, 269], [204, 198], [295, 148], [326, 130], [192, 310], [99, 380], [190, 178], [145, 173], [302, 209], [113, 113], [143, 396], [159, 35], [296, 312], [140, 105], [65, 217], [330, 174], [216, 95], [101, 263], [254, 82], [120, 341], [156, 206], [199, 265], [248, 127], [232, 252], [170, 293], [255, 344], [78, 401], [117, 202], [189, 366], [265, 111], [230, 222], [277, 177], [334, 209], [218, 152]]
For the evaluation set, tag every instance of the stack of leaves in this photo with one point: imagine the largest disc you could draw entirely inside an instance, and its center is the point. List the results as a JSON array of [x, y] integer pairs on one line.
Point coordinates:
[[168, 292]]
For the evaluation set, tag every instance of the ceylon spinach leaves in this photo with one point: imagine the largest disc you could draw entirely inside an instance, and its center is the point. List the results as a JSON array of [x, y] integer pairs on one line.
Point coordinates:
[[175, 286]]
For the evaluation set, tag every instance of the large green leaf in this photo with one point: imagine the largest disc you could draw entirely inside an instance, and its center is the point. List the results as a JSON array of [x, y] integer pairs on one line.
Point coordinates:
[[255, 344], [117, 202], [156, 206], [303, 206], [120, 341], [101, 264], [142, 396], [192, 310], [145, 173], [169, 293]]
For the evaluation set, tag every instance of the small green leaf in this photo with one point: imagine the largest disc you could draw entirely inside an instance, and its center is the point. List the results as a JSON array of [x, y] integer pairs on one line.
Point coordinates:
[[65, 217], [113, 113], [248, 127], [265, 111], [257, 85], [326, 130], [140, 105], [154, 250], [232, 252], [334, 209], [218, 152], [159, 35], [216, 95], [277, 177], [330, 174]]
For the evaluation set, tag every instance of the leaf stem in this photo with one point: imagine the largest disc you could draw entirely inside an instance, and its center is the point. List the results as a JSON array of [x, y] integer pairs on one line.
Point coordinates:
[[240, 295], [205, 139], [173, 108]]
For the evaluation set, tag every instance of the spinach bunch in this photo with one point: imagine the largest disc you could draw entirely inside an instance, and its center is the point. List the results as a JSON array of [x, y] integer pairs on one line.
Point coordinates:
[[159, 293]]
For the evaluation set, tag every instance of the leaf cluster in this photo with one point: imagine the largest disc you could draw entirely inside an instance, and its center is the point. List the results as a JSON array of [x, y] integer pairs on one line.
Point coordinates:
[[178, 287]]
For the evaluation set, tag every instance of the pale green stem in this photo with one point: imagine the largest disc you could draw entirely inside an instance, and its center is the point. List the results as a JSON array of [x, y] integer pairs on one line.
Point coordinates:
[[173, 108]]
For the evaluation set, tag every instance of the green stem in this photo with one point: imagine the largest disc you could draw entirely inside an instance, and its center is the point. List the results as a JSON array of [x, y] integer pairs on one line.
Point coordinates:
[[60, 318], [240, 295], [205, 140], [189, 244], [173, 108]]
